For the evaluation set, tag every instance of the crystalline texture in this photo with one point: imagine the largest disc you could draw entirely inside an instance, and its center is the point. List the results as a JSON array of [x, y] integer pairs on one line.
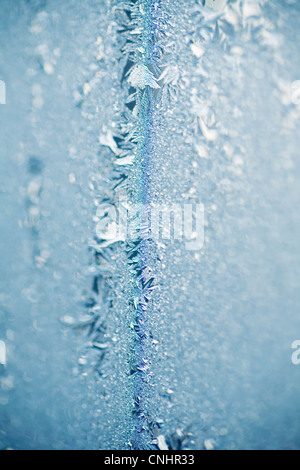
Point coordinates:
[[118, 342]]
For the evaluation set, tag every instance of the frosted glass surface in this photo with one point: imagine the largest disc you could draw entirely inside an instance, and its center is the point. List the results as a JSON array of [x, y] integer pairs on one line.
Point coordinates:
[[111, 341]]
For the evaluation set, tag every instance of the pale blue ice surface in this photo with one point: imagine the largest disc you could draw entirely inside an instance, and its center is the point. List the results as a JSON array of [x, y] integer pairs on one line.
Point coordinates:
[[223, 319]]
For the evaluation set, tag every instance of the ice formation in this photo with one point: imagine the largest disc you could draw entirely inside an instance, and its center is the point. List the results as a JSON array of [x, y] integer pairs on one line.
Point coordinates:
[[112, 338]]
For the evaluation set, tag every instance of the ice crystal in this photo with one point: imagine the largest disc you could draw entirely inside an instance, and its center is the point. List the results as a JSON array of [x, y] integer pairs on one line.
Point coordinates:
[[140, 77], [116, 339]]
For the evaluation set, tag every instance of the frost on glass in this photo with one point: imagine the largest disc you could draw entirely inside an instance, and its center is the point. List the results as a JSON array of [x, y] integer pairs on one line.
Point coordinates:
[[56, 59], [228, 314], [113, 339]]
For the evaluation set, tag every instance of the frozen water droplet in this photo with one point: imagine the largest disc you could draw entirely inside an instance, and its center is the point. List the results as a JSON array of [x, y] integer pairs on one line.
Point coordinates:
[[86, 89], [68, 320], [215, 4], [82, 361], [10, 335], [2, 353], [72, 178], [100, 345], [7, 383], [197, 50], [209, 444], [161, 443], [33, 191], [48, 68], [2, 92]]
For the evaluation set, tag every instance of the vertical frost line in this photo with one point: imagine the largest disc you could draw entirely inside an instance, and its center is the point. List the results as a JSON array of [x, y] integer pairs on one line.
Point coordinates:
[[125, 250], [133, 143], [144, 55], [141, 25]]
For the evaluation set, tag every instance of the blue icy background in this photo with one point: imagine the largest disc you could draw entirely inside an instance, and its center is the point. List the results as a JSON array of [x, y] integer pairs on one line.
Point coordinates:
[[224, 319]]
